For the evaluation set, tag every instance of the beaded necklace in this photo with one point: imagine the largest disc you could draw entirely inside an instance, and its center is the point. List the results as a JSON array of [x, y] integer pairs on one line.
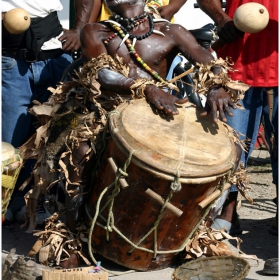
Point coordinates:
[[130, 45], [129, 23]]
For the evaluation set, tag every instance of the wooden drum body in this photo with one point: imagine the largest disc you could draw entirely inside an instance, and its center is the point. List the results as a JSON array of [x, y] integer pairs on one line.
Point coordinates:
[[133, 228]]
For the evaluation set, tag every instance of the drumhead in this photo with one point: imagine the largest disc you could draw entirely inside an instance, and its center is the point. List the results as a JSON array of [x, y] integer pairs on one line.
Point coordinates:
[[194, 146], [8, 151]]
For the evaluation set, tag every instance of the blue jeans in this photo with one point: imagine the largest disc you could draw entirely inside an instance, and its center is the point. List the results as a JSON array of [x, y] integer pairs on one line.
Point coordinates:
[[22, 83], [257, 102]]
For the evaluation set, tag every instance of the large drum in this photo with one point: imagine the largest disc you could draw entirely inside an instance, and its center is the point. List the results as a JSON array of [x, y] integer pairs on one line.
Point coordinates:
[[156, 170]]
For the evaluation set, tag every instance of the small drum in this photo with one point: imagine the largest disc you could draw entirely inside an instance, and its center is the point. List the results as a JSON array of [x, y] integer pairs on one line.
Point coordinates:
[[11, 166], [144, 205]]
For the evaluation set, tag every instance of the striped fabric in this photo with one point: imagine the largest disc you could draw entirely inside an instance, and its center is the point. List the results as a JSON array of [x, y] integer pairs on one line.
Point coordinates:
[[256, 55]]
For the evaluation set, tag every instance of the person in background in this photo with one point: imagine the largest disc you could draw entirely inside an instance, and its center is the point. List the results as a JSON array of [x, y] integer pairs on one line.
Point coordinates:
[[255, 56], [31, 62], [166, 8]]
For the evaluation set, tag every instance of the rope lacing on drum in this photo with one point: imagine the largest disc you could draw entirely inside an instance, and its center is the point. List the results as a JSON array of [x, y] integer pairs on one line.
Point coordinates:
[[110, 220], [110, 227], [176, 186], [104, 134], [221, 185]]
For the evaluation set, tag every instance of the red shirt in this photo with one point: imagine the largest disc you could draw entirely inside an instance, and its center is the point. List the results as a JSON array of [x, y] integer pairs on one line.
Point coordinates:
[[256, 55]]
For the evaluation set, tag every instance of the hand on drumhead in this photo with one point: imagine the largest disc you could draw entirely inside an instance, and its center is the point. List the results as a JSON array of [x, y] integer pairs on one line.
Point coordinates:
[[219, 100], [162, 100]]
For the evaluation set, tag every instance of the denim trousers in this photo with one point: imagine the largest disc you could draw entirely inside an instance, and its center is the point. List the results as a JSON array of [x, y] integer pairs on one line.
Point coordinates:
[[258, 102], [22, 83]]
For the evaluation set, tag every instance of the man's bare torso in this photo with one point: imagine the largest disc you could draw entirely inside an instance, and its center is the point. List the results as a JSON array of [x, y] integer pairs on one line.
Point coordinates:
[[157, 51]]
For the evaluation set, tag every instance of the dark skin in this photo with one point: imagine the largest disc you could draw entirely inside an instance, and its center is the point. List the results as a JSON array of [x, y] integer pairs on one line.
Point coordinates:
[[157, 51], [168, 11], [71, 37]]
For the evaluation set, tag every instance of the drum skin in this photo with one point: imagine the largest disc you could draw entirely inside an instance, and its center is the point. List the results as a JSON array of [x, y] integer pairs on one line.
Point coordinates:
[[195, 148]]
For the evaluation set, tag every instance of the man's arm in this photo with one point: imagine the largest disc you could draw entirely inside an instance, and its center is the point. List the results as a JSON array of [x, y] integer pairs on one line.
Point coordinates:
[[213, 8], [168, 11], [217, 98], [226, 29], [71, 37], [92, 47]]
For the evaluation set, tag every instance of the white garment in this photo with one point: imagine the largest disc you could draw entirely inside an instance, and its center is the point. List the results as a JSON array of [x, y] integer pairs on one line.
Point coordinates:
[[37, 8]]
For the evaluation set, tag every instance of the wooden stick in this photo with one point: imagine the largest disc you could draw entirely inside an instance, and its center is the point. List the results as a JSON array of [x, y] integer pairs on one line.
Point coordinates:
[[122, 181], [212, 196], [160, 200], [181, 75]]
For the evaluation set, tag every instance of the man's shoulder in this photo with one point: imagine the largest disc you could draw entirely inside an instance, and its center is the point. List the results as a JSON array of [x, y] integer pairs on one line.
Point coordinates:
[[95, 26]]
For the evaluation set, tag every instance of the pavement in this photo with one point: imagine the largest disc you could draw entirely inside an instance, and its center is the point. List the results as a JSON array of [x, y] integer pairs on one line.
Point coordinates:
[[259, 157]]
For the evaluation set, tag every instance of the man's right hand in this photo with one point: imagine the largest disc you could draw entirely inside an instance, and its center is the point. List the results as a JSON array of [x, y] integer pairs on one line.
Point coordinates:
[[228, 33], [162, 100], [219, 101]]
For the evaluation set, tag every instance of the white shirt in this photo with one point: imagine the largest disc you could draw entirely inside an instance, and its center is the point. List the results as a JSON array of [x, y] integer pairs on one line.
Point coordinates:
[[37, 8]]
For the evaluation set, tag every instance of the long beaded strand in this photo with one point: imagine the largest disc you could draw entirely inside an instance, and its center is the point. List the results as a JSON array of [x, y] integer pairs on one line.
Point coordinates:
[[136, 55]]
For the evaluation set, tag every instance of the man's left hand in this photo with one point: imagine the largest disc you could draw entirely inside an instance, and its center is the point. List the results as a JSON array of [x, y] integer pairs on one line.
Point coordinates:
[[219, 100], [70, 40]]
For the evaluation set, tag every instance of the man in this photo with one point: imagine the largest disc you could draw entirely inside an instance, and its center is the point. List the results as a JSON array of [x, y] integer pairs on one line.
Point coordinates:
[[142, 50], [255, 56], [31, 62], [157, 44]]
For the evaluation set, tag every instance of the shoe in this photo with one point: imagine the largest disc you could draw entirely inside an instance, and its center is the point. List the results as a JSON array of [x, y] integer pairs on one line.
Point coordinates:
[[218, 224], [271, 267]]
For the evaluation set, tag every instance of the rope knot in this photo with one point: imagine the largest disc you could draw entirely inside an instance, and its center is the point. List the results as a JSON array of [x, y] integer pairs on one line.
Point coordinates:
[[176, 186], [123, 173]]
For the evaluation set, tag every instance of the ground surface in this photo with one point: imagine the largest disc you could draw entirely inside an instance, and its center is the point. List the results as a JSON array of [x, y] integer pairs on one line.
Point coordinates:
[[255, 220]]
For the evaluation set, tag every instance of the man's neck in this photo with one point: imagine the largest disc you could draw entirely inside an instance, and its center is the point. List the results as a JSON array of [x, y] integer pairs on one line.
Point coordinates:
[[129, 11]]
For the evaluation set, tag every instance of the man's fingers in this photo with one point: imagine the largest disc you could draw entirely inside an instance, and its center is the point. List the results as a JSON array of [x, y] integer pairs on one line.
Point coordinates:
[[214, 112], [158, 105]]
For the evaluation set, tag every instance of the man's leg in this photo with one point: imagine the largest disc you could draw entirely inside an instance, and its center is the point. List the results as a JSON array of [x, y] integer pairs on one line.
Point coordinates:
[[247, 123], [271, 134]]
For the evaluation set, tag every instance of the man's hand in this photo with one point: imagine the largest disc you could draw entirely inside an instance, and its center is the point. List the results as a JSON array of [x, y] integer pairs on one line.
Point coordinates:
[[162, 100], [167, 12], [228, 33], [219, 100], [70, 40]]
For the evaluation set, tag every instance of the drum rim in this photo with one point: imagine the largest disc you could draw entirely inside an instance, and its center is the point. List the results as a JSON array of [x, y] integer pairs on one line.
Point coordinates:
[[167, 174]]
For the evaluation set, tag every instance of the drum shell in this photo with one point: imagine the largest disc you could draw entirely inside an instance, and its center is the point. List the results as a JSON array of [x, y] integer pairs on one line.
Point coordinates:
[[156, 157], [135, 214]]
